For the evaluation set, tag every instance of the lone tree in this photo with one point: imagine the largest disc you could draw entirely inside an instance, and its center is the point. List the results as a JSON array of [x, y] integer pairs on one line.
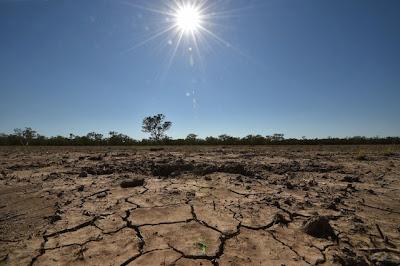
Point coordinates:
[[156, 126], [26, 135]]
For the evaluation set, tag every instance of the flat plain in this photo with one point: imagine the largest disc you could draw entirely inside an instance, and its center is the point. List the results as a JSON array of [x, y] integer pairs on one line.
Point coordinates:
[[274, 205]]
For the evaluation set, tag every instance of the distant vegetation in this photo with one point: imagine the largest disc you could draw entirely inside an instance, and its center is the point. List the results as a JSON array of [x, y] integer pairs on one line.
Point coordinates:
[[156, 126], [29, 136]]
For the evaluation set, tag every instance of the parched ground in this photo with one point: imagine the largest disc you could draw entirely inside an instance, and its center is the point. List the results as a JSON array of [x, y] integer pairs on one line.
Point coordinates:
[[200, 206]]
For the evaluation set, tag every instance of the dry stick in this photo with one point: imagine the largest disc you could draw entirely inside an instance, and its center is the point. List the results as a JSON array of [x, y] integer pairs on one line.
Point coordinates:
[[98, 192], [385, 239]]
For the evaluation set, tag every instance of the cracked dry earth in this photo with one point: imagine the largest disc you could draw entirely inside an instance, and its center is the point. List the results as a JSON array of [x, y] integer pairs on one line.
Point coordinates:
[[200, 206]]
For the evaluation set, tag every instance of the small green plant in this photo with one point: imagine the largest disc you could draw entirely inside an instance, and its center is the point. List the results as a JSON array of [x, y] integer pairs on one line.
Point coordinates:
[[202, 246]]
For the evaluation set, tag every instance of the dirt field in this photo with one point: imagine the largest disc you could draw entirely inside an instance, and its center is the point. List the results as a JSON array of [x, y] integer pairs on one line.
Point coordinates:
[[200, 206]]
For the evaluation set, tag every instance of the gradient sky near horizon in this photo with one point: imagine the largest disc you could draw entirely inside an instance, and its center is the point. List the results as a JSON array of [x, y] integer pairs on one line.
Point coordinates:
[[303, 68]]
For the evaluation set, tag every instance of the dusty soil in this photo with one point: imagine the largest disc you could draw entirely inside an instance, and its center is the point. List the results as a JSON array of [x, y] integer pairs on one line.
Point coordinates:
[[200, 206]]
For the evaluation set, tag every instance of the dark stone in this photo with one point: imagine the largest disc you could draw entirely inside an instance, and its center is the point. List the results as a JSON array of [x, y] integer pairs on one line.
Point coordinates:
[[288, 201], [96, 158], [337, 200], [312, 183], [351, 179], [52, 176], [135, 182], [318, 226], [91, 171], [83, 174], [54, 218], [351, 187], [289, 185]]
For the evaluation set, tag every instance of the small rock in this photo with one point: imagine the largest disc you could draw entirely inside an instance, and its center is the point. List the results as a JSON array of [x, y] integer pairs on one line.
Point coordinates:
[[132, 182], [351, 187], [385, 259], [83, 174], [288, 201], [318, 226], [102, 195], [289, 185], [54, 218], [96, 158], [91, 171], [312, 183], [81, 188], [351, 179], [337, 200], [52, 176]]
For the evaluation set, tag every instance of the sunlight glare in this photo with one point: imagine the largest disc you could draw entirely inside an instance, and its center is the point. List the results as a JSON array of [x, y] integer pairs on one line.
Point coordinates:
[[188, 18], [187, 24]]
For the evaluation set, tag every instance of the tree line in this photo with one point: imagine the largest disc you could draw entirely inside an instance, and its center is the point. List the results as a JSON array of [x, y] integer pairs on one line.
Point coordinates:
[[30, 137], [157, 127]]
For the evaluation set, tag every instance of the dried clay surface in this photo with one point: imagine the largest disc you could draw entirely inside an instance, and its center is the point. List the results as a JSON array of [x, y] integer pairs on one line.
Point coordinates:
[[278, 205]]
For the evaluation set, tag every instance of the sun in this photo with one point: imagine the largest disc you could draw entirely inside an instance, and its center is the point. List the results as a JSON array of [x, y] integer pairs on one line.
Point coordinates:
[[188, 18], [185, 27]]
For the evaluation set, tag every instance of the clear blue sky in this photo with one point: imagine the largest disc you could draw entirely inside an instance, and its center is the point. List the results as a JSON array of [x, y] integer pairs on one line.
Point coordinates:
[[303, 68]]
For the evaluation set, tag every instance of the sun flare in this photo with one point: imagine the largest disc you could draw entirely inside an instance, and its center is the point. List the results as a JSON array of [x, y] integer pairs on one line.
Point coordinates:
[[186, 27], [188, 19]]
